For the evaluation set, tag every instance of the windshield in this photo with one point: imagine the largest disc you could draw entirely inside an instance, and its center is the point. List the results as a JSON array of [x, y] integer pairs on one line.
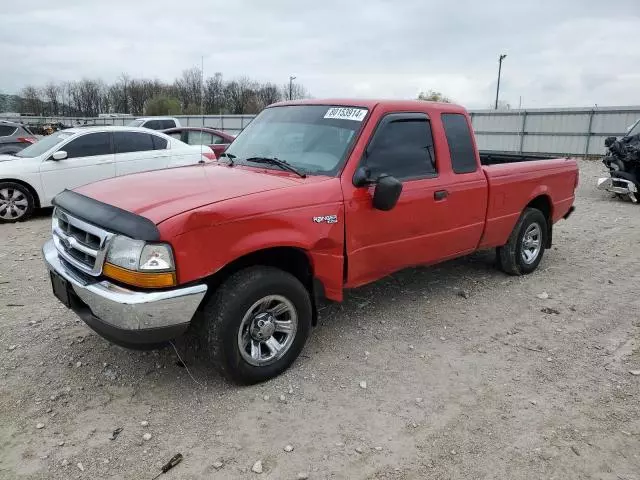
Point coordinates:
[[135, 123], [634, 129], [41, 146], [312, 138]]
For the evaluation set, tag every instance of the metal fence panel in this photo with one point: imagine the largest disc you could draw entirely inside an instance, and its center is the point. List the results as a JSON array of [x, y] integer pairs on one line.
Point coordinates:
[[553, 123], [497, 122], [558, 144], [499, 143], [560, 131]]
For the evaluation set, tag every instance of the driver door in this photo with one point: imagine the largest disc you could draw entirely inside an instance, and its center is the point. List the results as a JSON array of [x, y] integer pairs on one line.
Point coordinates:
[[412, 233], [90, 158]]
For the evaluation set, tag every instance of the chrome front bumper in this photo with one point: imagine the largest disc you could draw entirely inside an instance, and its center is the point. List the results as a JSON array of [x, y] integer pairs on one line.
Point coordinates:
[[619, 186], [127, 317]]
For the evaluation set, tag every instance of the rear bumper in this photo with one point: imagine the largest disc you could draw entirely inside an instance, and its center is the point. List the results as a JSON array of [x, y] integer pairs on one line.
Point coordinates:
[[126, 317]]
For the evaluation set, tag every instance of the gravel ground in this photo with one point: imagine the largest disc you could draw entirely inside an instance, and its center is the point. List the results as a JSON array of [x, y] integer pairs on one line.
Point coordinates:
[[469, 374]]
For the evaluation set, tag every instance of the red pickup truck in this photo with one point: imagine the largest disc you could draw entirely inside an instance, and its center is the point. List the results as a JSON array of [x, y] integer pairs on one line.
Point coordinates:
[[312, 198]]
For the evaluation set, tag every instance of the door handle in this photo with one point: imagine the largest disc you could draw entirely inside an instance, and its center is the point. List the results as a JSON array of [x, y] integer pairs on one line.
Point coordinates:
[[440, 194]]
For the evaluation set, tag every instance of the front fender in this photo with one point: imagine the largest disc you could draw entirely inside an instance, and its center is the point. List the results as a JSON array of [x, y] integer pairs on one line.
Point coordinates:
[[203, 252]]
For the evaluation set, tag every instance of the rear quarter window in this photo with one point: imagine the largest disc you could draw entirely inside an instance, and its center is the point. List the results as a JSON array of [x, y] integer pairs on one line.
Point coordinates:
[[159, 143], [460, 141], [7, 130]]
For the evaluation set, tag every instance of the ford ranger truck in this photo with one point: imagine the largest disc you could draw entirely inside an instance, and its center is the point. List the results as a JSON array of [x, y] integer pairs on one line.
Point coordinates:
[[312, 198]]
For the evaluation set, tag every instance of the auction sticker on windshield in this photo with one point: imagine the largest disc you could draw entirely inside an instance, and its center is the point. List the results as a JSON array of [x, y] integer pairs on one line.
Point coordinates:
[[346, 113]]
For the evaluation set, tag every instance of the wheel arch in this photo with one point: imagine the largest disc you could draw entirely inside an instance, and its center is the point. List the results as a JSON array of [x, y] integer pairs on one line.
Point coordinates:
[[28, 186], [293, 260], [544, 204]]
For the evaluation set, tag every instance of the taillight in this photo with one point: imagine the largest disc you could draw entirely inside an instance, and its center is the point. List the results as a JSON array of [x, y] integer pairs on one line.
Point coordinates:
[[209, 156], [26, 140]]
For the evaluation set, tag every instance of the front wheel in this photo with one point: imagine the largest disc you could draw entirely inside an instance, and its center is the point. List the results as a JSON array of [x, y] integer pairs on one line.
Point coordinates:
[[524, 249], [16, 202], [256, 324]]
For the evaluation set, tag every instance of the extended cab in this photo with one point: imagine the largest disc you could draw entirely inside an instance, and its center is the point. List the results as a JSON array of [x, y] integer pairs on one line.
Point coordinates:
[[312, 198]]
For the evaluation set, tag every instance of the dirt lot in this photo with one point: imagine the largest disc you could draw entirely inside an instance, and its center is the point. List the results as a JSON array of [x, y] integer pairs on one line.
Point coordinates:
[[466, 376]]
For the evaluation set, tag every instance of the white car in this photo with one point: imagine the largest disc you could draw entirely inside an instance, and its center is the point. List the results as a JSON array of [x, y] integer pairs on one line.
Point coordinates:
[[70, 158], [155, 123]]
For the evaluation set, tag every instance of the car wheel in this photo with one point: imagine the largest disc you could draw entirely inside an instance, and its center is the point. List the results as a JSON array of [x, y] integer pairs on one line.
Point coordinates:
[[16, 202], [524, 250], [256, 324]]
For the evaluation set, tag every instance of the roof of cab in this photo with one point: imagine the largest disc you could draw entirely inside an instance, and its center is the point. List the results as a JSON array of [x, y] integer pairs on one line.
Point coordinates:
[[403, 105]]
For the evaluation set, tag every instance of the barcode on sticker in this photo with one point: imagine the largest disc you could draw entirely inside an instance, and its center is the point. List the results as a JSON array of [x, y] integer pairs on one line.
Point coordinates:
[[346, 113]]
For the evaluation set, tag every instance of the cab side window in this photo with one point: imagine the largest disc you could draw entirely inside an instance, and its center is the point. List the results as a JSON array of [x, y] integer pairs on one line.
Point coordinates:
[[402, 147], [463, 156]]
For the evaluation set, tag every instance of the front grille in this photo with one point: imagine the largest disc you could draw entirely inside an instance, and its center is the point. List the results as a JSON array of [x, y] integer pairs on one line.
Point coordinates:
[[81, 244], [86, 238]]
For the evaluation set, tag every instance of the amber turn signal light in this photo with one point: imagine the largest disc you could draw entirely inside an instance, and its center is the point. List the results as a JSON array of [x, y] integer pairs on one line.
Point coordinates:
[[140, 279]]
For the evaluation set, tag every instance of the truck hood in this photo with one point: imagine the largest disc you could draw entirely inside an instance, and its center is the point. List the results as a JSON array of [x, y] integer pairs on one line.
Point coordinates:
[[161, 194]]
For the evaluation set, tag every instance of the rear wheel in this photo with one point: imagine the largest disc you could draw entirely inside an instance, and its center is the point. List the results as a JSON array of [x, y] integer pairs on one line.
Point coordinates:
[[256, 324], [16, 202], [524, 250]]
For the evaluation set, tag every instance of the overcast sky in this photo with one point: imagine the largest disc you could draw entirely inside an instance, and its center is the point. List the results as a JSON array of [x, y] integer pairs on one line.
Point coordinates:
[[560, 53]]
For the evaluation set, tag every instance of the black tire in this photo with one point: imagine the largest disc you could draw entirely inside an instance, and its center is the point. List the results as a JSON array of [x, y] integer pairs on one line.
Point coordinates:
[[510, 256], [13, 191], [225, 309]]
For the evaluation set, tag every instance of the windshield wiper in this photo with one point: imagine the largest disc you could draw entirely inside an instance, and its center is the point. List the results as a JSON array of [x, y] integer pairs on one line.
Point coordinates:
[[230, 156], [279, 163]]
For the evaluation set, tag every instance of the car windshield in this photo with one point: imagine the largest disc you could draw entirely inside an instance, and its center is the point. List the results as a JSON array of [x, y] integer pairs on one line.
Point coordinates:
[[41, 146], [135, 123], [634, 129], [314, 139]]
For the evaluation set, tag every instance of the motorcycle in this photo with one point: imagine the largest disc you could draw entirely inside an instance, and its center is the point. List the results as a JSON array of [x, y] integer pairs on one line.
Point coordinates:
[[623, 162]]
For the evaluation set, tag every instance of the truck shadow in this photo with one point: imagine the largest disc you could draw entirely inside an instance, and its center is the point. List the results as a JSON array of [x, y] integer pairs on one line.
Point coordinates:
[[456, 279]]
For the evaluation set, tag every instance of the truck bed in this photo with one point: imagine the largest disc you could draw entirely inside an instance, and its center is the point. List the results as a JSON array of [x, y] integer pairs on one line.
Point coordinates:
[[513, 184], [496, 158]]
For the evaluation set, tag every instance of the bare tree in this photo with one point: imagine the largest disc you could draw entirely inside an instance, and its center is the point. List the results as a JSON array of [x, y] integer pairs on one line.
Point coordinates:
[[31, 102], [297, 91], [89, 97], [433, 96], [52, 93], [188, 88], [267, 94], [137, 96], [214, 99]]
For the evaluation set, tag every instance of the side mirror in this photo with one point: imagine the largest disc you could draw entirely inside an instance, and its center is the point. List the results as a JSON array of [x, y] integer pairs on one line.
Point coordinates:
[[59, 155], [386, 193], [362, 177]]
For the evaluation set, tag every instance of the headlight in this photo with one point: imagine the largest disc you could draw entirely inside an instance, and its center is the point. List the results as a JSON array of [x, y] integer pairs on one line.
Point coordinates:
[[143, 265]]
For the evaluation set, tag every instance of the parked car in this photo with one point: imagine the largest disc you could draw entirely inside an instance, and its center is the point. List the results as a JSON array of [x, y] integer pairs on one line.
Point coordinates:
[[217, 140], [155, 123], [31, 177], [14, 137], [316, 197]]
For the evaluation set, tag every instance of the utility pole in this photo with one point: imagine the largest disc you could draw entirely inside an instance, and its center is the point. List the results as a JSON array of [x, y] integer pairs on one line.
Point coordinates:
[[502, 57], [291, 79]]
